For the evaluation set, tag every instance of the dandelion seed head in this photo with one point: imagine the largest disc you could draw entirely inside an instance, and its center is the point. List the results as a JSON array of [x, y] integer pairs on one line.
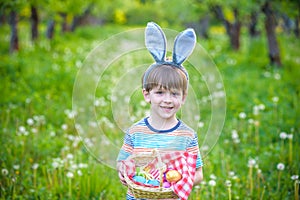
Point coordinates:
[[30, 121], [70, 175], [251, 162], [295, 177], [242, 115], [283, 135], [275, 99], [228, 183], [4, 172], [64, 127], [79, 172], [212, 183], [277, 76], [70, 156], [16, 167], [212, 176], [203, 183], [35, 166], [280, 166], [52, 134], [22, 129], [201, 124], [290, 136], [250, 121]]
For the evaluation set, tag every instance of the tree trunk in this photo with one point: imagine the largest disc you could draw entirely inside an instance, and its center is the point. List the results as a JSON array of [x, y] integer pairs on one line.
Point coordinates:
[[50, 29], [296, 29], [14, 38], [270, 26], [79, 18], [253, 25], [34, 23], [64, 24], [232, 29]]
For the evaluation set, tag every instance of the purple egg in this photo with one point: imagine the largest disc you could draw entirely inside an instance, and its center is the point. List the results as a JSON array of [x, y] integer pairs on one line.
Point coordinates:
[[166, 184]]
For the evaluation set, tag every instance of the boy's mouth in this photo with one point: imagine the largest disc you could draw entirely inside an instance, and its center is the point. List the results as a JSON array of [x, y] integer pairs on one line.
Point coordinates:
[[167, 108]]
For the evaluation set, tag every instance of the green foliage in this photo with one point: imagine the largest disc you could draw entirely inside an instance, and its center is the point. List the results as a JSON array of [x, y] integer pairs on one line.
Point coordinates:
[[42, 157]]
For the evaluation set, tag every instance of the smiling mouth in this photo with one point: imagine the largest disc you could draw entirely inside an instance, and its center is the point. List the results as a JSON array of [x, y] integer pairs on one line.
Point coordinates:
[[166, 108]]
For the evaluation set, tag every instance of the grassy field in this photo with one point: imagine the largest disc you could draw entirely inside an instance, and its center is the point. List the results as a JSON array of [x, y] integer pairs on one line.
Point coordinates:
[[42, 156]]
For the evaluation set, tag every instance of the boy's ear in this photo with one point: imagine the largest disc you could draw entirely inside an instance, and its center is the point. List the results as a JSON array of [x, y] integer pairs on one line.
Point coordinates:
[[146, 95]]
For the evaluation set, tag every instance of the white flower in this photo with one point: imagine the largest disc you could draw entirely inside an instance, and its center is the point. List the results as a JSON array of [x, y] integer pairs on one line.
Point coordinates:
[[242, 115], [4, 172], [64, 126], [79, 172], [231, 173], [82, 165], [234, 134], [35, 166], [280, 166], [228, 183], [70, 156], [261, 106], [250, 121], [52, 133], [22, 129], [55, 164], [70, 175], [290, 136], [283, 135], [212, 183], [16, 167], [30, 121], [251, 162], [212, 176], [275, 99], [295, 177], [201, 124], [255, 110], [277, 76]]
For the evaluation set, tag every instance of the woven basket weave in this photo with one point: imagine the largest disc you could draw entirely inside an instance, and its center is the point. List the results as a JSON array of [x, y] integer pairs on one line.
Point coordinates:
[[140, 191]]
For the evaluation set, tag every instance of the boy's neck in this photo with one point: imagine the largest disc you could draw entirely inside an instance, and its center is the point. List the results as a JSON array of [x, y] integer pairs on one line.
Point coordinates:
[[164, 124]]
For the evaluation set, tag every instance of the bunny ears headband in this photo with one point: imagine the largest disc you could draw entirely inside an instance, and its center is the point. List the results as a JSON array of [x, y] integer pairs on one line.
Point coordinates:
[[156, 44]]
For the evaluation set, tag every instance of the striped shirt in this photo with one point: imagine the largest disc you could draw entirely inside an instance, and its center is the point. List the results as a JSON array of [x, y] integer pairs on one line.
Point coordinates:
[[142, 137]]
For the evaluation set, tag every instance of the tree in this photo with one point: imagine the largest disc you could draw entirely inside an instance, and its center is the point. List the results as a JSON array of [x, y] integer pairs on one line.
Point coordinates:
[[270, 25], [14, 37], [34, 18], [12, 8], [233, 28]]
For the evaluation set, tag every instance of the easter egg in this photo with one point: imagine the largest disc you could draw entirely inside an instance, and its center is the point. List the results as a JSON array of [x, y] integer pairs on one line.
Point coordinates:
[[153, 182], [173, 176], [166, 184], [139, 179]]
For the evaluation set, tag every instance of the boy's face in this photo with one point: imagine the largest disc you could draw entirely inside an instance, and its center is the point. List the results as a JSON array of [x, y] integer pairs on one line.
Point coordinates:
[[164, 103]]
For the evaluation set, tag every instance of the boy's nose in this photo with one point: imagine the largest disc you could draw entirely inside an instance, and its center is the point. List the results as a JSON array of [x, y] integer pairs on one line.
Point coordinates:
[[167, 97]]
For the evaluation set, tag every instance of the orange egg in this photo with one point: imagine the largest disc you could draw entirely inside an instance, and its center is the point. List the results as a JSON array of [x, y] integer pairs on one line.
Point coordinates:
[[173, 176]]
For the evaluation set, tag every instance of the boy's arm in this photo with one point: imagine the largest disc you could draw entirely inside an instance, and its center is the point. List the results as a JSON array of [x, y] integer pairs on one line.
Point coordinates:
[[198, 176]]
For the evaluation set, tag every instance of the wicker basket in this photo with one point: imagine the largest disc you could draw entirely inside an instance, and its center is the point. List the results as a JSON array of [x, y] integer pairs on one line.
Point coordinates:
[[140, 191]]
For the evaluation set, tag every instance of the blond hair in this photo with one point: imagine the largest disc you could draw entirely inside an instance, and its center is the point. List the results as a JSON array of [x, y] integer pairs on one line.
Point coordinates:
[[166, 76]]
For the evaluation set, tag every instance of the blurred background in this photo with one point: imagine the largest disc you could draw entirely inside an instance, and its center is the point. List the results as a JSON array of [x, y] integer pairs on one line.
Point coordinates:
[[255, 45]]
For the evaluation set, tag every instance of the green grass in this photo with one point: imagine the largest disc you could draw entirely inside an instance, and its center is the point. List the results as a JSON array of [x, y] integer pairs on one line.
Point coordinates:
[[41, 151]]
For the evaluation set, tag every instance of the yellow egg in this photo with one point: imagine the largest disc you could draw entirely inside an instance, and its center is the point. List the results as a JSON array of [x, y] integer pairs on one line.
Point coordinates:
[[173, 176]]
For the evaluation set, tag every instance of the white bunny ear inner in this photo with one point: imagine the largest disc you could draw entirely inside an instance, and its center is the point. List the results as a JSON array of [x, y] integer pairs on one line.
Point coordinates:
[[184, 45], [155, 41]]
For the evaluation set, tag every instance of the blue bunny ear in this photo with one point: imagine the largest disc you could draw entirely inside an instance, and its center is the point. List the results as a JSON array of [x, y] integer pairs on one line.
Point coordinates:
[[155, 41], [184, 45]]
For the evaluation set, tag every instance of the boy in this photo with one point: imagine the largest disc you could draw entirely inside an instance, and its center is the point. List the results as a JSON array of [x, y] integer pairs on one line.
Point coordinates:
[[165, 88]]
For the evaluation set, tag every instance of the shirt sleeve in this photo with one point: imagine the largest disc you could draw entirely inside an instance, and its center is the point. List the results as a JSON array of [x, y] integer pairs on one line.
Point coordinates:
[[194, 148], [127, 147]]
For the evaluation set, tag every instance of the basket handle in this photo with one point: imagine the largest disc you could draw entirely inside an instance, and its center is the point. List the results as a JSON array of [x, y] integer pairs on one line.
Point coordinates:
[[161, 167]]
